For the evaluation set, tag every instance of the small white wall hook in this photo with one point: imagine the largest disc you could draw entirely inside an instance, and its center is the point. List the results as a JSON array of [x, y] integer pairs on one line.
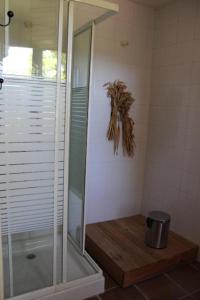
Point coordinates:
[[124, 43]]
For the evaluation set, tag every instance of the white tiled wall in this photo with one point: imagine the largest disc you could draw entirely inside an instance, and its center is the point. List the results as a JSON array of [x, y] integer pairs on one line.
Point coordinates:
[[115, 183], [172, 180]]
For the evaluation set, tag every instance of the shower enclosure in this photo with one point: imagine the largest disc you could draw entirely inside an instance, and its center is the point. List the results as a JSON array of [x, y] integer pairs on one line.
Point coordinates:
[[46, 65]]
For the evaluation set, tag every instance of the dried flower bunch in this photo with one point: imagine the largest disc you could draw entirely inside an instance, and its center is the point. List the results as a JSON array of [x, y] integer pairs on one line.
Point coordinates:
[[121, 101]]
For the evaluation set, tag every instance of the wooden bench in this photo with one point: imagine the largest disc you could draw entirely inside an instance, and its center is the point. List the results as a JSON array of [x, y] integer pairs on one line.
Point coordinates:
[[118, 246]]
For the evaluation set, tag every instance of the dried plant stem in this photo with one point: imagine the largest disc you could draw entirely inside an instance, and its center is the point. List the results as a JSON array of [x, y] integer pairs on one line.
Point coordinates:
[[121, 101]]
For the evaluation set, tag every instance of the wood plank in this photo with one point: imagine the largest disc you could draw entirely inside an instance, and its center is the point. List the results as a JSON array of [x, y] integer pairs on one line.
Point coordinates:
[[118, 246]]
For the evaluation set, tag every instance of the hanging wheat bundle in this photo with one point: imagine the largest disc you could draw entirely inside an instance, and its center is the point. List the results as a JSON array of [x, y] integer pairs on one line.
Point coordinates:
[[121, 101]]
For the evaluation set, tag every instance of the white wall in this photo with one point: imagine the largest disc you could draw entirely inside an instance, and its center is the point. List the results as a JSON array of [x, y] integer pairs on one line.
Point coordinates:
[[172, 180], [115, 183]]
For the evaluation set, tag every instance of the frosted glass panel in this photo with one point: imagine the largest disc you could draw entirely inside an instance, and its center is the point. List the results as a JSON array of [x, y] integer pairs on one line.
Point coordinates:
[[28, 103], [78, 133]]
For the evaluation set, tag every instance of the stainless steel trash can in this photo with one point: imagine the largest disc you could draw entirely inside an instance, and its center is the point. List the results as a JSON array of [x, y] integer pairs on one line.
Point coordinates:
[[158, 223]]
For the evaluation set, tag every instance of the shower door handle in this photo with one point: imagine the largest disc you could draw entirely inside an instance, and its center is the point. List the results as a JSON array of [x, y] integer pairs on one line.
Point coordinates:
[[1, 82]]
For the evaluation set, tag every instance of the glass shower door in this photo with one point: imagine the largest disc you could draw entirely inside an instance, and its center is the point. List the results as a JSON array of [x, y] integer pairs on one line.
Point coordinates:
[[28, 101], [84, 17], [78, 132]]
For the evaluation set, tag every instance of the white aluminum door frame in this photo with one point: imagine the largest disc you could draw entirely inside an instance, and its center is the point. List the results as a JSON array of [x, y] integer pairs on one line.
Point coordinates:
[[57, 133], [1, 266], [88, 128], [87, 26], [111, 9], [67, 134]]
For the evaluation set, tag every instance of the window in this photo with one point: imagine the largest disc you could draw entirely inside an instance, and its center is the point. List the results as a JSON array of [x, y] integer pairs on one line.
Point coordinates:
[[49, 64], [38, 62], [18, 61]]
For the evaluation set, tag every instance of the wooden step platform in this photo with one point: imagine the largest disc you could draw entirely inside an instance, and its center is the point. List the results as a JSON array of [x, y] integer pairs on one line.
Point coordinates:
[[118, 246]]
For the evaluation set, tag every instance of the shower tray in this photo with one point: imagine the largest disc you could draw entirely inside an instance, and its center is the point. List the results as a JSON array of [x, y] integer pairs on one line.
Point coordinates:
[[84, 277]]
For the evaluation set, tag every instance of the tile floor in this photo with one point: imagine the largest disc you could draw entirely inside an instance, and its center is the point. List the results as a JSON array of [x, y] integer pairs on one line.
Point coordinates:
[[180, 283]]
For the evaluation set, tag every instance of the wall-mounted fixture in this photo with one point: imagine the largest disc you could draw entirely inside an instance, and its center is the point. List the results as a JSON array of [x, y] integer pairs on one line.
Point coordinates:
[[1, 82], [28, 24], [10, 15], [124, 43]]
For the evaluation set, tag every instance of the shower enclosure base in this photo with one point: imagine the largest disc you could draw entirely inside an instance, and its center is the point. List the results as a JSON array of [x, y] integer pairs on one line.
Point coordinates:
[[77, 290], [32, 273]]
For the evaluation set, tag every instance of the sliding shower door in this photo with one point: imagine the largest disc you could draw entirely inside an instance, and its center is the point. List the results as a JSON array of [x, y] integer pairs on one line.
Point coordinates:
[[84, 17], [78, 132], [32, 147]]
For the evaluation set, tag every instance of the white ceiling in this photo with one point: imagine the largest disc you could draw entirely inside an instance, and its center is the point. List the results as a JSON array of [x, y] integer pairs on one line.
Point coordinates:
[[153, 3]]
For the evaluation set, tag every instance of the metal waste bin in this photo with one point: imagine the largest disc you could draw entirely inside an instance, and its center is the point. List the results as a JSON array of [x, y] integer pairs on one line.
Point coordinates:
[[158, 223]]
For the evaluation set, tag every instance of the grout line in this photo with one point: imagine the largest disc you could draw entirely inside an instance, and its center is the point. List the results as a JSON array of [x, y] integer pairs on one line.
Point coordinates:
[[184, 297], [110, 289], [141, 292], [190, 294], [194, 267], [194, 292], [177, 284]]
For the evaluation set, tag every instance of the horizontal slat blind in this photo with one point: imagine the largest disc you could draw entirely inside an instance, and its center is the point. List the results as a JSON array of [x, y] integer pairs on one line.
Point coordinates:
[[27, 153], [78, 135]]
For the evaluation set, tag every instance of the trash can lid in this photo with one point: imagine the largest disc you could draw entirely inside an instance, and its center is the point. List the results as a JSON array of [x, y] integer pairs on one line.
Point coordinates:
[[160, 216]]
